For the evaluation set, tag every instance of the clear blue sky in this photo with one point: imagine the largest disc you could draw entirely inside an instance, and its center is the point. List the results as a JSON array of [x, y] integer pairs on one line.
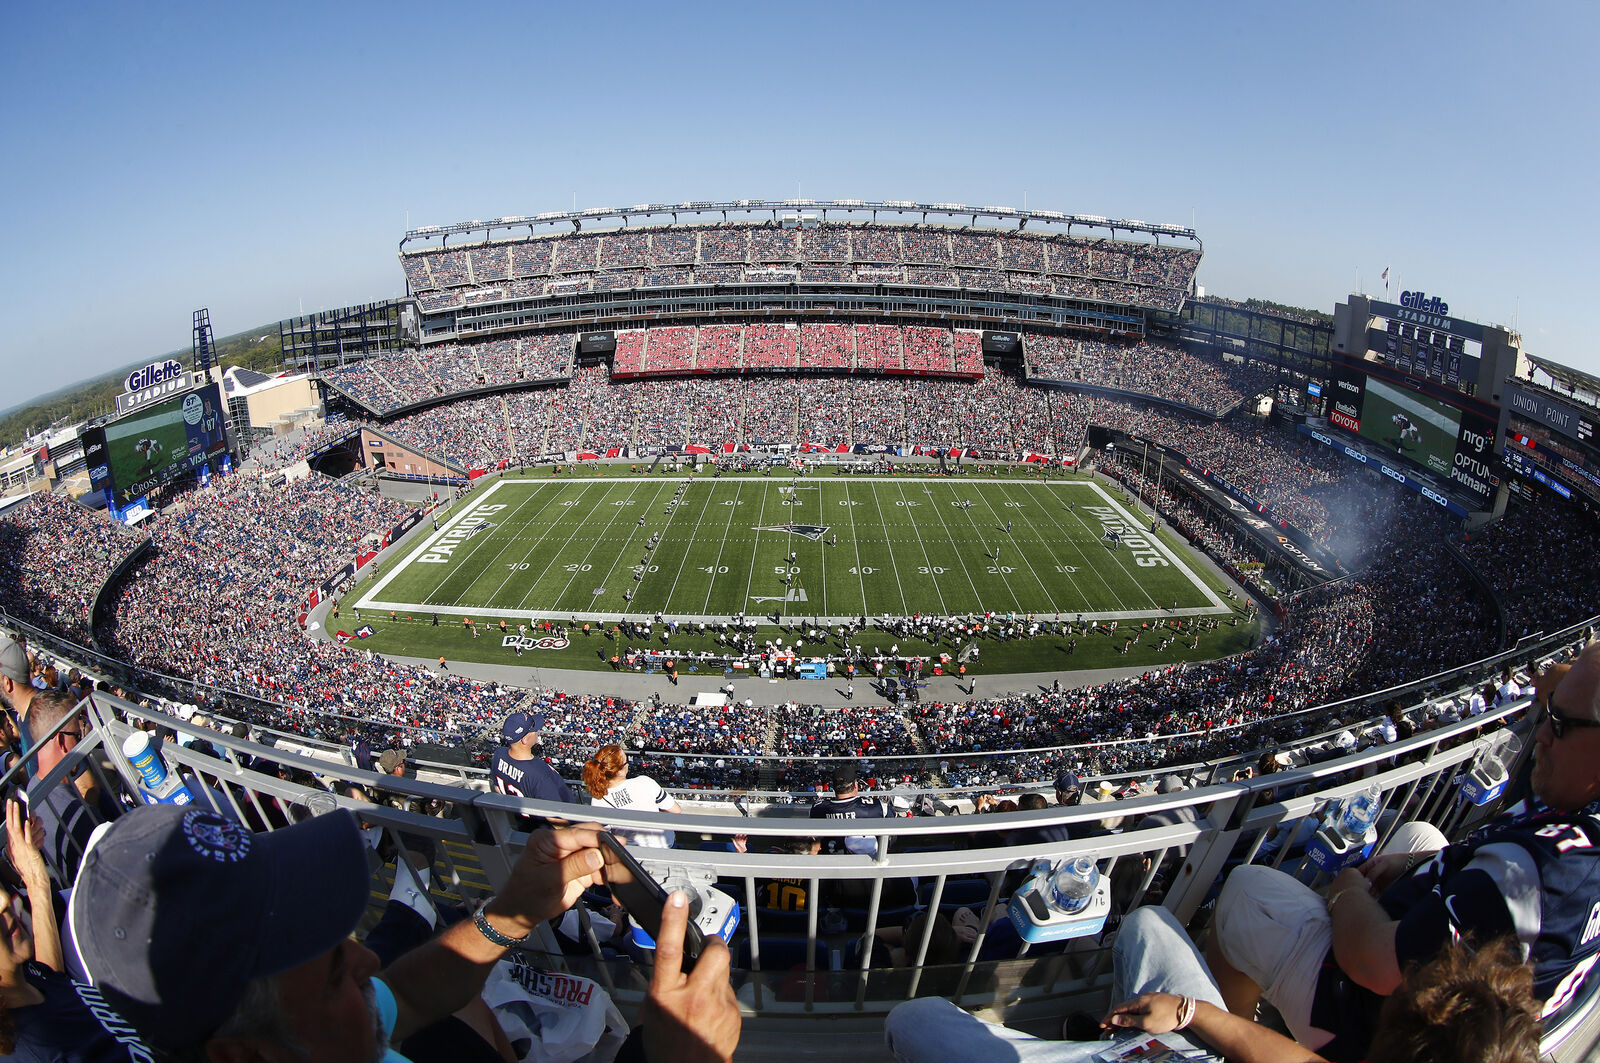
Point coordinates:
[[256, 158]]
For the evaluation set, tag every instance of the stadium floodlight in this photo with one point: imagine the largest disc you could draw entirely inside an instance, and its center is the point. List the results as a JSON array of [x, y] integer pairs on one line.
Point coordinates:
[[593, 212], [1135, 221], [899, 203], [550, 215], [849, 203], [999, 210], [1091, 219], [953, 207], [701, 203], [639, 208], [1053, 215]]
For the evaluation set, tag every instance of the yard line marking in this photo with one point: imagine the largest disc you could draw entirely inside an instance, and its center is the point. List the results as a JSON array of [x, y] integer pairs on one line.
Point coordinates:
[[428, 542], [594, 541], [463, 566], [1076, 542], [1116, 553], [1021, 554], [1166, 551], [932, 577], [855, 540], [977, 595], [527, 554], [628, 547], [685, 560], [750, 577], [732, 512], [1050, 544], [905, 610]]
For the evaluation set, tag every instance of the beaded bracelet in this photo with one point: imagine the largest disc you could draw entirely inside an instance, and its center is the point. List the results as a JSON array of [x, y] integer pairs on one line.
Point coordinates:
[[481, 921]]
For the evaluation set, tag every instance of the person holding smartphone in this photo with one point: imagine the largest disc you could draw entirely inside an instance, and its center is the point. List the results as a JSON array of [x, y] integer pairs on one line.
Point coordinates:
[[263, 962]]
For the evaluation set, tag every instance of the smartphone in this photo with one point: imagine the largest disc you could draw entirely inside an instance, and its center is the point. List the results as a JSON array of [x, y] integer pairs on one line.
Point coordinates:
[[638, 891]]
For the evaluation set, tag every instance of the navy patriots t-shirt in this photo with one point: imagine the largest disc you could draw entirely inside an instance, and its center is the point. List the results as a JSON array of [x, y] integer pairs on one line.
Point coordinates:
[[1533, 876]]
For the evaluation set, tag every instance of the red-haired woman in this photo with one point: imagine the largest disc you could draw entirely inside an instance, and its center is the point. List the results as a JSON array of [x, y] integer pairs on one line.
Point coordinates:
[[605, 776]]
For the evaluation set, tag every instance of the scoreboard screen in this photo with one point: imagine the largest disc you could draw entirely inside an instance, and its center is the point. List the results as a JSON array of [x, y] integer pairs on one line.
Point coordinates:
[[139, 453], [1433, 435]]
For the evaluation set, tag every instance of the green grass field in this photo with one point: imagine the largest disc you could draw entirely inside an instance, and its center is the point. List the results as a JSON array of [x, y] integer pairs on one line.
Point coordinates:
[[559, 548]]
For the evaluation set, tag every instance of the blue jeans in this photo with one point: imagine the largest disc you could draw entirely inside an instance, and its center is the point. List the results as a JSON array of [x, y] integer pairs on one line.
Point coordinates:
[[1152, 954]]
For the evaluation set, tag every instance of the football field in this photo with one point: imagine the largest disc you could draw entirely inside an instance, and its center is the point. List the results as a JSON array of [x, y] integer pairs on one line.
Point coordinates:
[[828, 548]]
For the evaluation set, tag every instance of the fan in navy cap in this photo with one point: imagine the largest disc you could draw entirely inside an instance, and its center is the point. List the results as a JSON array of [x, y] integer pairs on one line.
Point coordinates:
[[519, 770], [215, 943], [176, 910]]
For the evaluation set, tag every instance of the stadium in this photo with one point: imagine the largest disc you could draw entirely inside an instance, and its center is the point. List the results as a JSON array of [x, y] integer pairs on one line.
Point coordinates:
[[762, 490]]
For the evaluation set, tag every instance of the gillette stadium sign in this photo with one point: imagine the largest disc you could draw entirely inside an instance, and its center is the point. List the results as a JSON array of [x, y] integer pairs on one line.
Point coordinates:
[[153, 374], [154, 381]]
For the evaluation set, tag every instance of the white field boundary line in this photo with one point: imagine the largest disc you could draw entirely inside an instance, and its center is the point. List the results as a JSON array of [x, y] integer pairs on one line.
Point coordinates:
[[427, 544], [1218, 608], [1165, 550]]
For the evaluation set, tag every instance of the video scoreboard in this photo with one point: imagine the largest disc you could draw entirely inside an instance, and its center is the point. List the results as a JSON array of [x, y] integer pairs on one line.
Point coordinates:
[[130, 457], [1451, 442]]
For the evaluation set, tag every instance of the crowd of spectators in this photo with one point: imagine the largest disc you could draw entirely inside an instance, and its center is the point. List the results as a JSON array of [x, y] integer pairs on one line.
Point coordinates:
[[282, 451], [1542, 562], [55, 555], [1160, 370], [1144, 274], [230, 567], [387, 382]]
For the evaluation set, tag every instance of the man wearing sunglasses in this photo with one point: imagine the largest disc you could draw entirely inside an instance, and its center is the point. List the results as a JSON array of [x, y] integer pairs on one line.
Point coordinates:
[[1327, 962]]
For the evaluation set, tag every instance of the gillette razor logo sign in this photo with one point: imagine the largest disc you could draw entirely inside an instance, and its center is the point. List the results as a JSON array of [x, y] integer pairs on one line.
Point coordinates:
[[153, 374], [1425, 303]]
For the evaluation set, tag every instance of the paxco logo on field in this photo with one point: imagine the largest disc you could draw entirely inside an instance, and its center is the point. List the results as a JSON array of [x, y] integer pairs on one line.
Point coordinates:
[[153, 374], [1422, 301]]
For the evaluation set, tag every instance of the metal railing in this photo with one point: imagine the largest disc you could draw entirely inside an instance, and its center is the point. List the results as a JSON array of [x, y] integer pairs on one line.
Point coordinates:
[[808, 960]]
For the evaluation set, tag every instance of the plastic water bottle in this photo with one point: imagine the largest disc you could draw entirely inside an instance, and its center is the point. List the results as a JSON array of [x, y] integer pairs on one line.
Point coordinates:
[[163, 787], [1356, 818], [1073, 885]]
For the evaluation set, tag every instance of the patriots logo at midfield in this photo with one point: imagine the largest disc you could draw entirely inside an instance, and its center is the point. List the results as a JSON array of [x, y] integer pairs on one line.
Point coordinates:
[[809, 531]]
